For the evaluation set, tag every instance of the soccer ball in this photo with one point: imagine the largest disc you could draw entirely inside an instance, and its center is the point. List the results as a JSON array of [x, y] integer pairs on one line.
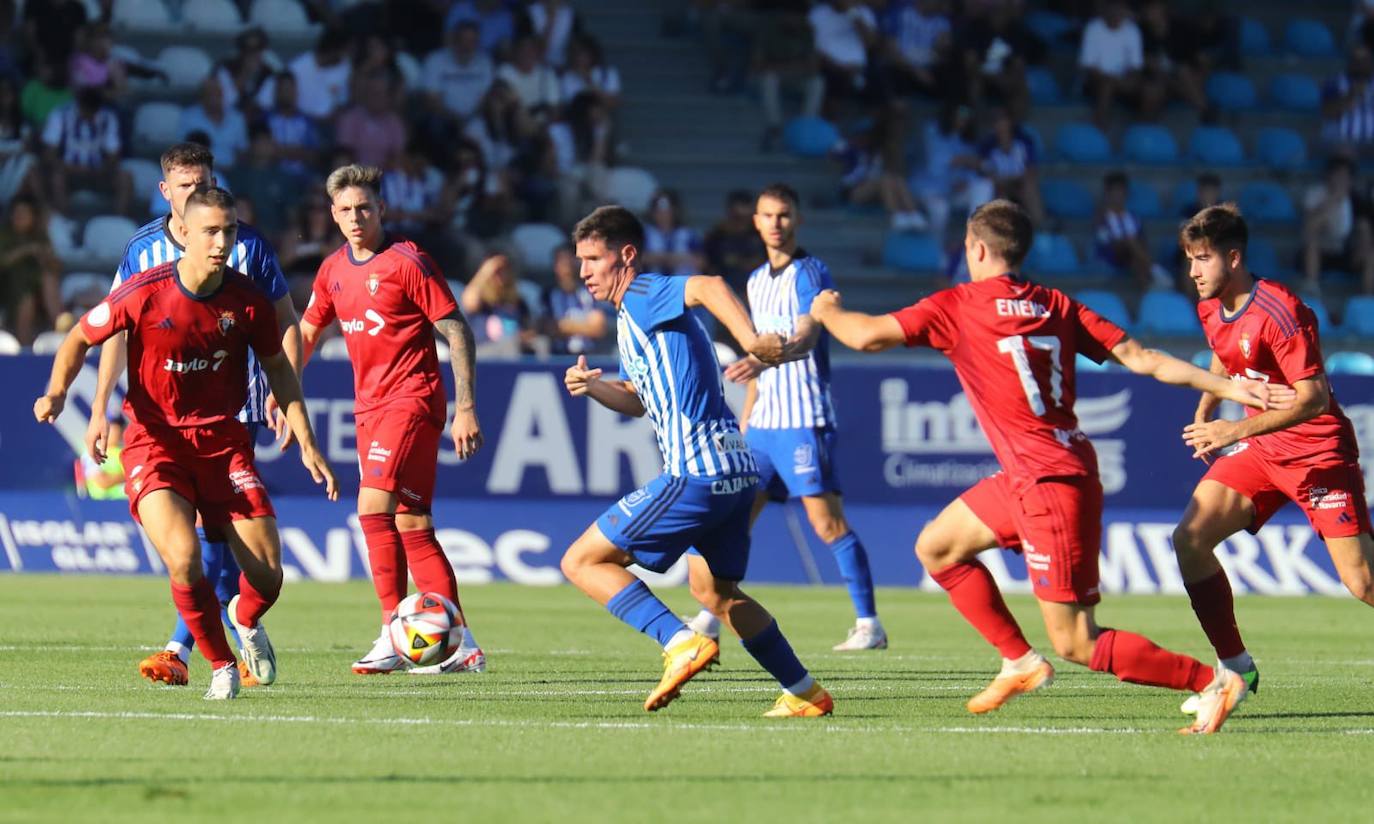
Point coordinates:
[[425, 628]]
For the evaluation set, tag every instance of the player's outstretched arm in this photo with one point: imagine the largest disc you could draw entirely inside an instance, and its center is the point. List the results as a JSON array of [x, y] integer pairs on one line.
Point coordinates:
[[620, 396], [803, 340], [467, 432], [1311, 397], [114, 354], [281, 377], [866, 333], [1166, 368], [720, 300], [65, 367]]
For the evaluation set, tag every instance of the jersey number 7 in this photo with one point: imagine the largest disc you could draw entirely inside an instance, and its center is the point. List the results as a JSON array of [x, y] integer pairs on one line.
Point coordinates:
[[1015, 345]]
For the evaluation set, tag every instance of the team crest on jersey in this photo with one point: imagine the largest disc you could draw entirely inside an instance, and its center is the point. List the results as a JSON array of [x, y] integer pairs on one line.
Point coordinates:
[[373, 281], [636, 367], [1245, 345], [226, 322]]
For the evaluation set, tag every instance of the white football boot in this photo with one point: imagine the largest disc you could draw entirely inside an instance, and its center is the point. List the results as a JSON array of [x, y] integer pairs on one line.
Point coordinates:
[[1215, 704], [257, 647], [381, 659], [224, 683], [863, 636]]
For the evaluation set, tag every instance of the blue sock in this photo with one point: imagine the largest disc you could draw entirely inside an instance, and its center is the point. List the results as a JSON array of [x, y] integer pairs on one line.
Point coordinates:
[[641, 609], [226, 583], [853, 561], [774, 654]]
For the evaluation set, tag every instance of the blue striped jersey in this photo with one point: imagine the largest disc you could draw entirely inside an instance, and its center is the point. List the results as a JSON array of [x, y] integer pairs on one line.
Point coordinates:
[[252, 255], [793, 395], [667, 356], [81, 142]]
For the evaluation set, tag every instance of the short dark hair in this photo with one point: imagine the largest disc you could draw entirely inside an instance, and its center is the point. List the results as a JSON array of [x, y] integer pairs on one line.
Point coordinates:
[[213, 197], [739, 197], [615, 225], [1006, 229], [780, 191], [1209, 179], [187, 156], [1340, 162], [1220, 227]]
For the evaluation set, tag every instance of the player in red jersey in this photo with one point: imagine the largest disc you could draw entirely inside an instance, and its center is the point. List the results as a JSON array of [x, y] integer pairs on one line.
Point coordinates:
[[1013, 345], [1306, 454], [190, 324], [389, 298]]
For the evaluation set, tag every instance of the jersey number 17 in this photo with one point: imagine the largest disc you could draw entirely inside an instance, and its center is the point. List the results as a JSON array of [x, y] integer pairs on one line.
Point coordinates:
[[1015, 345]]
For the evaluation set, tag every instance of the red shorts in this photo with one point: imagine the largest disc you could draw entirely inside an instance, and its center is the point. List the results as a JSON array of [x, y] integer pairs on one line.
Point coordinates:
[[1331, 495], [399, 453], [1055, 523], [212, 467]]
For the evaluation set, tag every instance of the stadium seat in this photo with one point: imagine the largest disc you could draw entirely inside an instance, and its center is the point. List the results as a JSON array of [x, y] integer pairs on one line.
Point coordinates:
[[212, 16], [810, 136], [1082, 143], [1254, 37], [631, 187], [535, 243], [1231, 91], [1107, 304], [141, 16], [1267, 201], [1169, 314], [1318, 308], [1143, 201], [1295, 92], [1183, 196], [9, 344], [1359, 316], [1066, 198], [1044, 89], [1309, 38], [1280, 148], [1148, 143], [1202, 359], [186, 66], [1050, 26], [281, 17], [1052, 254], [48, 342], [533, 296], [105, 237], [1216, 146], [1261, 258], [335, 348], [1337, 363], [912, 253], [146, 175], [157, 124], [62, 235]]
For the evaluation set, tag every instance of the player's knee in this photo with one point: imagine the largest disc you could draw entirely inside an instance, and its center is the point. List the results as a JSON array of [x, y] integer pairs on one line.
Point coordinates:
[[1187, 539], [933, 551], [1360, 583], [571, 565], [1072, 646]]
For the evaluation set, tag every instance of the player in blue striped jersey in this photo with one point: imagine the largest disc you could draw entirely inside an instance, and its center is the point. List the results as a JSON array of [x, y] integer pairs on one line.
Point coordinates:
[[790, 421], [187, 168], [669, 372]]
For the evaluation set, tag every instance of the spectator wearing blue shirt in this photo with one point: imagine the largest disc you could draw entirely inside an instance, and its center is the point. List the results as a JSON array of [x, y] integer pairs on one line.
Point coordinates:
[[1120, 236], [670, 246], [917, 48], [950, 175], [226, 128], [576, 322], [495, 21], [1009, 160]]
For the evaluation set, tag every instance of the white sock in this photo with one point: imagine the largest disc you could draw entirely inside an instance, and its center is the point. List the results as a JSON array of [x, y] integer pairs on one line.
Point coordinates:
[[1238, 663], [684, 634], [801, 686], [705, 623], [870, 624], [182, 651], [1019, 665]]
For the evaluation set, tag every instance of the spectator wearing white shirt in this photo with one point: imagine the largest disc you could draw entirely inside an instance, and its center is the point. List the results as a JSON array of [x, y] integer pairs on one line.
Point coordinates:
[[1112, 58], [243, 74], [844, 30], [535, 84], [322, 77], [82, 147], [553, 22], [1336, 233], [917, 45], [457, 76], [226, 128], [587, 71], [584, 146]]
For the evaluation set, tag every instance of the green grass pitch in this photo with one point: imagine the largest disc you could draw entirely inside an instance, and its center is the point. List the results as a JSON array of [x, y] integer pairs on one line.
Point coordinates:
[[554, 731]]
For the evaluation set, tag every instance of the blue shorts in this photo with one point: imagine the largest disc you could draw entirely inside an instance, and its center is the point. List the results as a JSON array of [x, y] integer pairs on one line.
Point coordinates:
[[663, 519], [794, 463]]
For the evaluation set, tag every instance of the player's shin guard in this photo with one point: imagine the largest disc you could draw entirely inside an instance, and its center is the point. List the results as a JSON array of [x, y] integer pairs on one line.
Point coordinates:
[[774, 654], [387, 559], [1215, 608], [429, 564], [254, 602], [641, 609], [974, 593], [1138, 660], [200, 611], [853, 562]]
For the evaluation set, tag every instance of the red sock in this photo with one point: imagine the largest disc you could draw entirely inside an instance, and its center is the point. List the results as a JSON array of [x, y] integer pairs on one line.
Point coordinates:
[[429, 564], [199, 608], [253, 602], [975, 594], [1136, 659], [386, 558], [1215, 608]]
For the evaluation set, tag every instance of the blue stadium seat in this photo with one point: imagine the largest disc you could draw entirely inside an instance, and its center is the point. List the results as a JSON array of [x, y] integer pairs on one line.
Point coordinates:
[[1359, 316], [1202, 359], [1350, 363], [1050, 26], [1295, 92], [1231, 91], [1309, 38], [1107, 304], [1043, 87], [1323, 317], [1254, 37], [912, 253], [1052, 254], [1143, 201], [810, 136], [1280, 148], [1216, 146], [1267, 201], [1261, 259], [1183, 196], [1066, 198], [1168, 313], [1148, 143], [1082, 143]]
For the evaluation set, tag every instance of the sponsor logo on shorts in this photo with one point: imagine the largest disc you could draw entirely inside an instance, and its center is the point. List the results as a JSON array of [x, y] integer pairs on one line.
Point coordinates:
[[1322, 498], [803, 459], [414, 496], [244, 480], [376, 453], [1038, 561], [733, 486]]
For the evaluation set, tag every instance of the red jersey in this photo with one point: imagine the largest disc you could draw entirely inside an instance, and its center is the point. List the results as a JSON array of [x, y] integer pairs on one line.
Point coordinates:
[[387, 306], [1274, 338], [1013, 345], [188, 354]]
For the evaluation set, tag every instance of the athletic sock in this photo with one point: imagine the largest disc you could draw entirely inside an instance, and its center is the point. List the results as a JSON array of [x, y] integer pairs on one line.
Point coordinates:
[[177, 648], [641, 609], [975, 594], [853, 562], [253, 602], [1138, 660], [429, 565], [1215, 608], [200, 611], [774, 654], [386, 558], [1239, 663], [215, 557], [705, 623]]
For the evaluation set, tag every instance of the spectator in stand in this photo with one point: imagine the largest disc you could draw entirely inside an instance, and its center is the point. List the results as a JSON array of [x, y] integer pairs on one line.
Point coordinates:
[[244, 75], [105, 479], [295, 133], [1176, 58], [17, 173], [535, 84], [457, 76], [10, 42], [1112, 58], [30, 274], [554, 23], [499, 317], [670, 245], [584, 147], [917, 48], [259, 179], [371, 128], [951, 177], [844, 31], [1348, 103], [322, 76], [1121, 237], [44, 92], [996, 47], [587, 71], [93, 64], [785, 49], [477, 197], [1208, 194], [311, 238], [373, 54], [728, 28], [496, 23], [50, 28], [226, 127], [576, 323], [1336, 231], [82, 148], [413, 191], [1009, 161], [733, 247], [873, 174], [500, 127]]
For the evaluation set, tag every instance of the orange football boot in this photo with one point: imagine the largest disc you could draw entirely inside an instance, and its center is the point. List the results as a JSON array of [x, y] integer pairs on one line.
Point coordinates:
[[1006, 687], [246, 678], [166, 667], [814, 703], [681, 663]]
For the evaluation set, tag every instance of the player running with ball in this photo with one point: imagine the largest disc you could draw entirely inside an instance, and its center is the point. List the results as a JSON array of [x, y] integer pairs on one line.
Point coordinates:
[[191, 324], [1013, 344]]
